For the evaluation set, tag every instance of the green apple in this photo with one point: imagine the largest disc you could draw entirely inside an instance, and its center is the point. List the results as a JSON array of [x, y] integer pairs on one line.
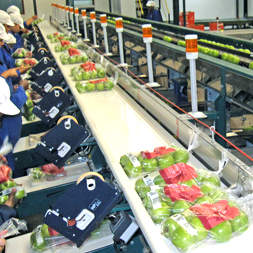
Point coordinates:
[[139, 184], [86, 75], [236, 60], [72, 59], [109, 85], [37, 241], [93, 74], [169, 226], [29, 103], [36, 173], [100, 86], [20, 194], [139, 157], [158, 180], [64, 61], [7, 185], [247, 51], [204, 199], [222, 232], [179, 206], [207, 187], [182, 239], [80, 87], [213, 180], [251, 65], [101, 73], [143, 191], [91, 87], [29, 111], [217, 195], [215, 53], [31, 117], [181, 156], [189, 183], [124, 160], [165, 161], [132, 171], [3, 199], [206, 50], [85, 58], [74, 70], [240, 223], [161, 213], [202, 232], [230, 58], [78, 76], [79, 59], [224, 56], [58, 48], [149, 165], [44, 231]]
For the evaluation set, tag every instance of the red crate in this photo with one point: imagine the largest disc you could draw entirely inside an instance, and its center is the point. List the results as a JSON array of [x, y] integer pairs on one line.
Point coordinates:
[[190, 18], [198, 27], [213, 26]]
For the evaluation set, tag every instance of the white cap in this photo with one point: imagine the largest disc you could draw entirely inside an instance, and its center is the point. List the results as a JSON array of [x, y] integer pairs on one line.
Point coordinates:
[[5, 18], [13, 9], [6, 106], [3, 35], [150, 4], [17, 19], [11, 39]]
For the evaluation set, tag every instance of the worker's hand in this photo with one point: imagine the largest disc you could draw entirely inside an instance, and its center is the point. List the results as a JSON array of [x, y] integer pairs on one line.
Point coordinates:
[[24, 84], [10, 73], [29, 54], [23, 69], [24, 30], [11, 202], [34, 17], [2, 244], [3, 159]]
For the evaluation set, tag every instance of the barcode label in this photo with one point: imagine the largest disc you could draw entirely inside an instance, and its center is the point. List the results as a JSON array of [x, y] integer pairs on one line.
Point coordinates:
[[47, 87], [53, 112], [184, 224], [9, 190], [39, 237], [133, 159], [155, 187], [148, 180], [155, 200]]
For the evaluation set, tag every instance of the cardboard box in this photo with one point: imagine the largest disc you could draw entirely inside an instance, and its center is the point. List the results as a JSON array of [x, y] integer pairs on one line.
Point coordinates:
[[197, 27], [241, 121]]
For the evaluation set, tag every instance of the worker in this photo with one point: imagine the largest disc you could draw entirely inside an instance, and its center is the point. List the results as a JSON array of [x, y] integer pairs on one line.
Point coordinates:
[[28, 22], [153, 14], [18, 97]]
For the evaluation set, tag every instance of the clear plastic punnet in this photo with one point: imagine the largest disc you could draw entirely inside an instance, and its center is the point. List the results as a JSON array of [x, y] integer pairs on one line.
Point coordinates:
[[134, 164], [73, 55], [45, 238], [20, 53], [12, 227], [64, 45], [26, 62], [104, 84], [87, 71]]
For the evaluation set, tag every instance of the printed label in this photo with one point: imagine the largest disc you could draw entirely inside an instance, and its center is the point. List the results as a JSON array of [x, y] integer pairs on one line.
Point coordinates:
[[53, 112], [184, 224], [47, 87], [148, 180], [133, 159], [155, 200], [63, 149]]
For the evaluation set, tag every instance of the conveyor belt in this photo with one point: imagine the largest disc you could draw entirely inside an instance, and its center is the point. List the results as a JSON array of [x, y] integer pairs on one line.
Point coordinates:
[[120, 125]]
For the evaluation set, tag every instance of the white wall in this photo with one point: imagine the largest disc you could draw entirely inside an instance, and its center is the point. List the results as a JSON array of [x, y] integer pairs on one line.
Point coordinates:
[[206, 9], [29, 10], [102, 5]]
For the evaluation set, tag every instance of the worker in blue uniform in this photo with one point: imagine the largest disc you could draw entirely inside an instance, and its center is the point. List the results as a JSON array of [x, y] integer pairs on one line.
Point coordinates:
[[153, 14], [28, 22], [18, 97]]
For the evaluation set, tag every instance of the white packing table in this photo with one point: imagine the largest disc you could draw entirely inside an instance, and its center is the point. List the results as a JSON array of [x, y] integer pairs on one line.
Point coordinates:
[[120, 126]]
